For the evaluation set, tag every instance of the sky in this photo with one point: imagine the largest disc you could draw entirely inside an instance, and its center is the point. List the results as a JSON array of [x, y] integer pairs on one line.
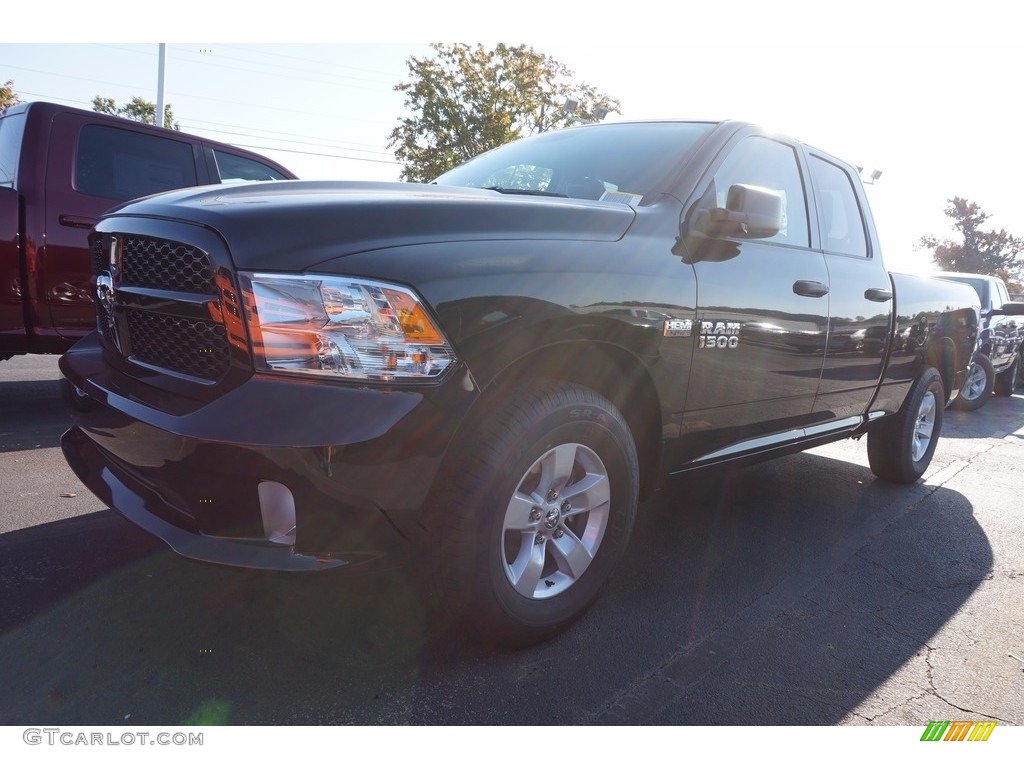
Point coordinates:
[[925, 93]]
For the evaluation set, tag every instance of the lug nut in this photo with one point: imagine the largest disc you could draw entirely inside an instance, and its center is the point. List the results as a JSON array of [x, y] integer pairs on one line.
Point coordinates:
[[534, 514], [559, 533], [540, 538], [566, 507], [552, 494]]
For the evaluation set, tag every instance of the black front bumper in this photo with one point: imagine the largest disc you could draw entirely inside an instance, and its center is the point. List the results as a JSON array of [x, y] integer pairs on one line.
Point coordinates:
[[357, 462]]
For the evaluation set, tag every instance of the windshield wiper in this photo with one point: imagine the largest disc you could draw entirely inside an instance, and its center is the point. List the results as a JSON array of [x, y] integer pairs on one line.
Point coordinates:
[[519, 191]]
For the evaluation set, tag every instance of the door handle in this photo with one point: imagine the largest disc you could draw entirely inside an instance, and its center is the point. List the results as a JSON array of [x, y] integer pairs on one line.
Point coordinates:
[[878, 294], [809, 288], [78, 222]]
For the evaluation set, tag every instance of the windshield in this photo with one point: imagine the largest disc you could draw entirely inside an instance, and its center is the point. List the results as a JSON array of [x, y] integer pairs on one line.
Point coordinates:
[[618, 161]]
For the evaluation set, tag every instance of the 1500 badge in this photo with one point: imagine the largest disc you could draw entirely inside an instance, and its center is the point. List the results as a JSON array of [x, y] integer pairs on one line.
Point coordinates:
[[718, 335]]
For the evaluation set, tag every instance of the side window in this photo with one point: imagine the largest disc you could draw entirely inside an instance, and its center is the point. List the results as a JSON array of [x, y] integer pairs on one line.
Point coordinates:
[[121, 165], [11, 129], [839, 217], [1001, 294], [771, 164], [235, 168]]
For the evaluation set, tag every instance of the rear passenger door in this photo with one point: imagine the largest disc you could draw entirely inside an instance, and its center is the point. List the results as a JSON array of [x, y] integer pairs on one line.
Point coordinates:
[[860, 294], [94, 165]]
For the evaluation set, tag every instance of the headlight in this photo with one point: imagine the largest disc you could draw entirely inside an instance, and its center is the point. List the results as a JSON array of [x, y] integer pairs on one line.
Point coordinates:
[[342, 326]]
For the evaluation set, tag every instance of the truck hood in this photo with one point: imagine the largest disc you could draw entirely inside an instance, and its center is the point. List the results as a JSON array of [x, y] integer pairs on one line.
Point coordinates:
[[293, 225]]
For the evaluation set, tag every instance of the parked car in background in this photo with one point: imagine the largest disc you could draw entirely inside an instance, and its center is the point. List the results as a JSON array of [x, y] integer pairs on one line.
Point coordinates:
[[60, 169], [996, 366]]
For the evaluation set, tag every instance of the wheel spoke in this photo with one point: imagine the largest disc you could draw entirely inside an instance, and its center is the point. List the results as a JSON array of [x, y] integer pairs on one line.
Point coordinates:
[[556, 467], [526, 571], [586, 494], [923, 428], [570, 554], [517, 514]]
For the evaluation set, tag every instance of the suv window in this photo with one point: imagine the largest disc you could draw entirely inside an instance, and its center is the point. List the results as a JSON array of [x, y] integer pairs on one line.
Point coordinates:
[[839, 217], [235, 168], [121, 165], [768, 163]]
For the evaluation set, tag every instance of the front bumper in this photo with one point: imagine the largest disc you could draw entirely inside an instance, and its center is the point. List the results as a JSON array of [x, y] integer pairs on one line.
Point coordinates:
[[351, 467]]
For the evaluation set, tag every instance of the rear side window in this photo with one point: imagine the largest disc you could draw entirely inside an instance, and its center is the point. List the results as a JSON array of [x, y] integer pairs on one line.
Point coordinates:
[[122, 165], [235, 168], [11, 129], [839, 217]]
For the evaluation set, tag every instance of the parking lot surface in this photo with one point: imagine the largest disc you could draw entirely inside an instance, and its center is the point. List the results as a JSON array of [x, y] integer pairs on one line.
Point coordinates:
[[800, 591]]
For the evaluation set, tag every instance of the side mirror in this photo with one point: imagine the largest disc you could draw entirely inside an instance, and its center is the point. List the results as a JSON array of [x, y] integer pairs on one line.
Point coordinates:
[[1012, 308], [750, 212]]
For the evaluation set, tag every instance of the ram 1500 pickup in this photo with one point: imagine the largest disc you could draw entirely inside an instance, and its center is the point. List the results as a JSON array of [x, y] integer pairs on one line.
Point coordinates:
[[492, 369]]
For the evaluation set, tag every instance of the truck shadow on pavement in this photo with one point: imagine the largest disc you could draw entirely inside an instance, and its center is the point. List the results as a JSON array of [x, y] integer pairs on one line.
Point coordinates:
[[783, 593]]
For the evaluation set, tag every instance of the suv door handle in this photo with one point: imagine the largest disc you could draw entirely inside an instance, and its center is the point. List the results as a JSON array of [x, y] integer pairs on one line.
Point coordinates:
[[809, 288], [878, 294]]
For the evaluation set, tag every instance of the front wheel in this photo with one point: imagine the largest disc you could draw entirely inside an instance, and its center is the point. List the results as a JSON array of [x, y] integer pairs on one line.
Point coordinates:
[[901, 447], [536, 512], [978, 387]]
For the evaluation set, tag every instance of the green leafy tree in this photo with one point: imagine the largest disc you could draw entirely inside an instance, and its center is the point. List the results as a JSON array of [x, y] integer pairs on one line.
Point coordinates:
[[136, 109], [981, 251], [465, 100], [8, 98]]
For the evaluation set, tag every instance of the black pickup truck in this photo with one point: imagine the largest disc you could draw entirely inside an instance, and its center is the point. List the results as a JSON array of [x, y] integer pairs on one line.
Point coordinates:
[[995, 366], [492, 370]]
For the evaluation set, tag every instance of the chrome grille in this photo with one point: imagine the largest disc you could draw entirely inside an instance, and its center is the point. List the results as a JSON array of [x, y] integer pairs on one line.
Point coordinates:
[[193, 347]]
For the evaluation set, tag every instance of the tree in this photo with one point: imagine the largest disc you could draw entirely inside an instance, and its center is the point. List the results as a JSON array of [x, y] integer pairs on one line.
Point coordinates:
[[8, 98], [137, 109], [465, 100], [985, 252]]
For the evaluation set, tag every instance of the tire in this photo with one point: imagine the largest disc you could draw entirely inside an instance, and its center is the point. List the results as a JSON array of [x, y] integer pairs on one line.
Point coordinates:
[[901, 447], [535, 513], [978, 387], [1006, 381]]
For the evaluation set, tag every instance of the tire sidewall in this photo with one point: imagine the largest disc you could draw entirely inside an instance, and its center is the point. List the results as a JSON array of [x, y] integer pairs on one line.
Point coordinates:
[[600, 430], [973, 404], [930, 383]]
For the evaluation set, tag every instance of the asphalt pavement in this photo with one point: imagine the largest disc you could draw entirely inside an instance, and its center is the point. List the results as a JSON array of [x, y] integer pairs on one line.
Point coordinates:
[[800, 591]]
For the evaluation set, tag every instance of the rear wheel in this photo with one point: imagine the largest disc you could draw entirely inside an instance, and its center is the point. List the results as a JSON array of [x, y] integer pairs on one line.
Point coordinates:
[[1006, 381], [901, 447], [536, 513], [978, 387]]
